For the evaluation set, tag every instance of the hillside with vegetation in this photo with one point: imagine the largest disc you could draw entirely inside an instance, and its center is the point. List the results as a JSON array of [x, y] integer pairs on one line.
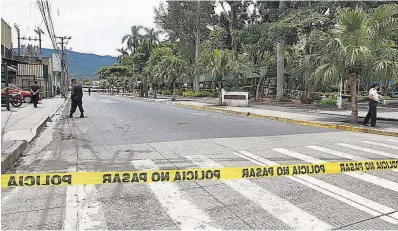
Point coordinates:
[[83, 64]]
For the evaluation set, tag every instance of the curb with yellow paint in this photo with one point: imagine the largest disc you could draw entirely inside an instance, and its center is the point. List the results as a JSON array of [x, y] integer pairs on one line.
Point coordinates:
[[294, 121]]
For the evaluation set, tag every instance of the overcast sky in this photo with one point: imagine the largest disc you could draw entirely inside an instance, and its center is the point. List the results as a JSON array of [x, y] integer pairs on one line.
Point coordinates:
[[96, 26]]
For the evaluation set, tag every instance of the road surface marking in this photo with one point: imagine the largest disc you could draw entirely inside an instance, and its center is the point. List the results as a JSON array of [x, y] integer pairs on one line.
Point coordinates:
[[341, 154], [381, 144], [291, 215], [387, 184], [368, 150], [342, 195], [336, 153], [83, 210], [107, 101], [395, 141], [183, 212]]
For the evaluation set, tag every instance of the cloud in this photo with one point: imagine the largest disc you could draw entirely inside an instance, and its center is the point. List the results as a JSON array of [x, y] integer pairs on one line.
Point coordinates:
[[96, 26]]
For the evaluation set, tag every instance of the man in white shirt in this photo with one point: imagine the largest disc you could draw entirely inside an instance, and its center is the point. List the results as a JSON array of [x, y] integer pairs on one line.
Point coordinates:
[[373, 101]]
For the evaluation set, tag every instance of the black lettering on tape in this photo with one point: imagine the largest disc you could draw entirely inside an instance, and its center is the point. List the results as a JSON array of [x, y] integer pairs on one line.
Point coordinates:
[[322, 168], [126, 177], [12, 182], [155, 176], [217, 174], [107, 178], [342, 168], [282, 170], [369, 166], [190, 175], [245, 172], [165, 176], [56, 180], [67, 179], [116, 178], [177, 176], [143, 176], [209, 174], [32, 181]]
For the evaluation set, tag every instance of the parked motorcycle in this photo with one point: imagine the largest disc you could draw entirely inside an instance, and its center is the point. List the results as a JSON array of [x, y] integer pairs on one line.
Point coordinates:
[[15, 100]]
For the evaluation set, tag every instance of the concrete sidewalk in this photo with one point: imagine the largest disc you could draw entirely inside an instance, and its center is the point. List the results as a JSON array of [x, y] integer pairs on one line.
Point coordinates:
[[20, 126]]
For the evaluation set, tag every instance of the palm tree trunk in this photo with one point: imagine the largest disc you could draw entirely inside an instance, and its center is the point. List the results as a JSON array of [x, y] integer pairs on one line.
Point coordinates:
[[197, 50], [174, 91], [280, 69], [258, 88], [354, 111], [219, 93]]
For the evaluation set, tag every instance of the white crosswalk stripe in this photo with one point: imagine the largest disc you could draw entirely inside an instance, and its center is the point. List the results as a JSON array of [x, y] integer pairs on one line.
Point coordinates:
[[354, 200], [174, 201], [368, 150], [359, 175], [381, 144], [390, 140], [283, 210]]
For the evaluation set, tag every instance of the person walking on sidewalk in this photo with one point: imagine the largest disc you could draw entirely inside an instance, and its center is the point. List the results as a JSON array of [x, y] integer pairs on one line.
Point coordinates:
[[373, 101], [34, 89], [89, 91], [77, 98]]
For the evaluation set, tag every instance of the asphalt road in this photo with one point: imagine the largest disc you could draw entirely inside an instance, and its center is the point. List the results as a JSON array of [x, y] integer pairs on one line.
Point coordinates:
[[121, 134]]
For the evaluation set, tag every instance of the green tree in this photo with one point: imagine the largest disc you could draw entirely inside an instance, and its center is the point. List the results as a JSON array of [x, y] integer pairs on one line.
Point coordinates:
[[133, 39], [151, 37], [362, 41], [187, 23]]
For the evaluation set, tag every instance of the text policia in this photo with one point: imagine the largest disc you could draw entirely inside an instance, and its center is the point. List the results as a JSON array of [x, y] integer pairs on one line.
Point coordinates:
[[153, 176]]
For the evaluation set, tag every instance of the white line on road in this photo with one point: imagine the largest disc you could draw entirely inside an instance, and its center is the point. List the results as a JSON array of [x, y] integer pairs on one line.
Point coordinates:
[[341, 154], [183, 212], [387, 184], [367, 150], [200, 114], [395, 141], [381, 144], [342, 195], [83, 210], [281, 209]]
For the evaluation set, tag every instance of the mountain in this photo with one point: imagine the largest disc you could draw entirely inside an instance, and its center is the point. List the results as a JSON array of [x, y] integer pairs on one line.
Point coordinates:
[[83, 64]]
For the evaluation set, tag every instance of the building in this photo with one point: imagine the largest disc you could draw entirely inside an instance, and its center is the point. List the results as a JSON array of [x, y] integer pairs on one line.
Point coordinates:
[[25, 69], [7, 54]]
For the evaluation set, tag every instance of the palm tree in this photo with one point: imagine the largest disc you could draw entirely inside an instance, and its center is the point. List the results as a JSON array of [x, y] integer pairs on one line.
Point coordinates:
[[133, 39], [220, 65], [174, 67], [361, 41], [152, 38], [123, 53]]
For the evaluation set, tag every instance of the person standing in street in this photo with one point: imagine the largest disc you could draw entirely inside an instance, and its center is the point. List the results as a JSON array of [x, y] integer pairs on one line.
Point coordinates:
[[373, 101], [77, 98], [34, 89], [89, 91]]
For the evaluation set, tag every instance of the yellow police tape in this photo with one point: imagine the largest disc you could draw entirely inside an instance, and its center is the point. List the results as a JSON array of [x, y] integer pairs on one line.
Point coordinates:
[[232, 173]]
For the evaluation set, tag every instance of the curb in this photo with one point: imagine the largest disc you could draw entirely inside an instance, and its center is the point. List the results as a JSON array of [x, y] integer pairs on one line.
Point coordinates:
[[12, 157], [293, 121]]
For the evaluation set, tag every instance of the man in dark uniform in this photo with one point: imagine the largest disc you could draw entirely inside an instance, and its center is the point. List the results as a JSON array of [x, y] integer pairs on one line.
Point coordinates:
[[34, 89], [89, 91], [77, 98]]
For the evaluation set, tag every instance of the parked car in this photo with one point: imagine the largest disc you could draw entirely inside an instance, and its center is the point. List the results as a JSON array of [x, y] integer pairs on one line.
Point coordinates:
[[26, 95]]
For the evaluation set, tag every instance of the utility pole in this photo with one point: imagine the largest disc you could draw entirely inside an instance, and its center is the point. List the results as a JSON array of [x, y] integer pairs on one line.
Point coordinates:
[[19, 38], [64, 76], [39, 32]]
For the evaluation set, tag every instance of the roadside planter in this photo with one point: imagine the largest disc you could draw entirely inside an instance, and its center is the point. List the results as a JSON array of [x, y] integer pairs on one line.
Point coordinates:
[[235, 98]]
